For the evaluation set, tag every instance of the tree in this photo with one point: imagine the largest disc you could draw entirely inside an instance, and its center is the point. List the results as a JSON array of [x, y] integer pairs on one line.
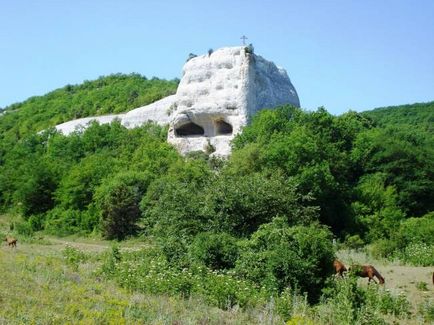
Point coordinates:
[[118, 200]]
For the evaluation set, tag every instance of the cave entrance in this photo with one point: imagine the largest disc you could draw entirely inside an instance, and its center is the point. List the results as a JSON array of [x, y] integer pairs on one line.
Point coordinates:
[[222, 128], [189, 129]]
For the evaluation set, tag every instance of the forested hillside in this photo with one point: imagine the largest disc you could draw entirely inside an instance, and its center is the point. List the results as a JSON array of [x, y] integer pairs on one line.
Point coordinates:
[[110, 94], [234, 231], [420, 115]]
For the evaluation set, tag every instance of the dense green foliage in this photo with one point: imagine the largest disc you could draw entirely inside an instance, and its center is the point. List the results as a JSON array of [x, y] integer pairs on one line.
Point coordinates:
[[263, 220], [278, 256], [418, 115], [118, 200], [110, 94]]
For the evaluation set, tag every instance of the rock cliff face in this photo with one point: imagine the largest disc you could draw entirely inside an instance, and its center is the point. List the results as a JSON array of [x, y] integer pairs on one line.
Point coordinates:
[[219, 93], [216, 97]]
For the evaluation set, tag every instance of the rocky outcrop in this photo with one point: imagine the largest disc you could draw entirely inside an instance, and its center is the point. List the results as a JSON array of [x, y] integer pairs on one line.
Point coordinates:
[[218, 94], [158, 112]]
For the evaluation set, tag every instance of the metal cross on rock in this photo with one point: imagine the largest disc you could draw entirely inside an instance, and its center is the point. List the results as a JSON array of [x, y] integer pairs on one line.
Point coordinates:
[[244, 39]]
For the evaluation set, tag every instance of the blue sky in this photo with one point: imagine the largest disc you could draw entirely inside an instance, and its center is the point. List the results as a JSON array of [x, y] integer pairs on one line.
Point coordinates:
[[339, 54]]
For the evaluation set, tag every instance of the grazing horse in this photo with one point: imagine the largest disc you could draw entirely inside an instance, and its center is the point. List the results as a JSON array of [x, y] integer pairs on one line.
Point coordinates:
[[339, 268], [12, 242], [367, 271]]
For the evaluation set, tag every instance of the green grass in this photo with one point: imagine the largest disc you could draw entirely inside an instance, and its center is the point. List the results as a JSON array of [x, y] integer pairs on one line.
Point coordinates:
[[40, 285], [56, 283], [49, 280]]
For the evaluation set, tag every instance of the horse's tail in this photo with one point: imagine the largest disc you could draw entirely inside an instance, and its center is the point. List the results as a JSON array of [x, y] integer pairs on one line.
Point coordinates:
[[378, 275]]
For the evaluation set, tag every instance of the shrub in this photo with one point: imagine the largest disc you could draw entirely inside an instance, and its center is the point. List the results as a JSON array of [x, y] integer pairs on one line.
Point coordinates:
[[74, 256], [111, 260], [173, 206], [148, 271], [118, 200], [346, 303], [34, 194], [278, 256], [354, 242], [63, 222], [36, 222], [341, 302], [418, 254], [175, 250], [416, 230], [23, 228], [239, 204], [216, 251], [383, 248]]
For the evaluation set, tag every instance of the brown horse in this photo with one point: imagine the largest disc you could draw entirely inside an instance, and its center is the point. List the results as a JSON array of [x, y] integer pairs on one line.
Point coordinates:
[[339, 268], [12, 242], [367, 271]]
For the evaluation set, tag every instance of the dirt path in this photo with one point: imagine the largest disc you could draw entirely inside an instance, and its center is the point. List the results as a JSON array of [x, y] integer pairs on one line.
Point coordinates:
[[85, 246], [414, 281], [95, 246]]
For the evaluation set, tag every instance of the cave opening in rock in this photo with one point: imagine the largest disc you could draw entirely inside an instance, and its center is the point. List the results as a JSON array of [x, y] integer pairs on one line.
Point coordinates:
[[223, 128], [189, 129]]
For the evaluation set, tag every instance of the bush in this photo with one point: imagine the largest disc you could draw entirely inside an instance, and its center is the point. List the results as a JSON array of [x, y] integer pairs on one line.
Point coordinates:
[[173, 206], [383, 248], [216, 251], [416, 230], [148, 271], [61, 222], [74, 257], [36, 222], [239, 204], [346, 303], [354, 242], [110, 261], [23, 228], [278, 256], [118, 200], [418, 254]]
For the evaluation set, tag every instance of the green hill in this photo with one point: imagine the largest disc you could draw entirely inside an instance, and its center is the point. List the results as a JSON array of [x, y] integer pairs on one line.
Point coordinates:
[[419, 114], [109, 94], [231, 231]]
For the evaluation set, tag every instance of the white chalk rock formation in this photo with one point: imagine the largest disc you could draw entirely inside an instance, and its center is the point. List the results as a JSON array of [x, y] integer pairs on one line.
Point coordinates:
[[158, 112], [82, 123], [219, 93], [215, 99]]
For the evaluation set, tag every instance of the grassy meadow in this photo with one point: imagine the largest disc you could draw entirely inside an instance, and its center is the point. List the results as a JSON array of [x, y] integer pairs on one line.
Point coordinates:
[[50, 280], [39, 286]]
